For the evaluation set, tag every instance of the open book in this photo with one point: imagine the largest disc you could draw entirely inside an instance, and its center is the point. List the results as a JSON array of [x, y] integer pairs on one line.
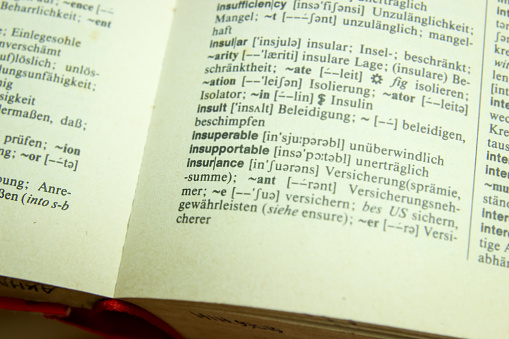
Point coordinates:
[[263, 169]]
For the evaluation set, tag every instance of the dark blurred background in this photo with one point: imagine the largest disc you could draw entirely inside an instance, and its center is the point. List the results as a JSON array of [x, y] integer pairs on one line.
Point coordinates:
[[24, 325]]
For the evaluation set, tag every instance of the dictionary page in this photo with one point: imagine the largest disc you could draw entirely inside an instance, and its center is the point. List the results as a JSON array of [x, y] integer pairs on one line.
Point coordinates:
[[342, 159], [77, 85]]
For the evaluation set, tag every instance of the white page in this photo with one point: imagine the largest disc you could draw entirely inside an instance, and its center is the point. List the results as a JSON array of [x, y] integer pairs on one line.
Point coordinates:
[[77, 86], [391, 167]]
